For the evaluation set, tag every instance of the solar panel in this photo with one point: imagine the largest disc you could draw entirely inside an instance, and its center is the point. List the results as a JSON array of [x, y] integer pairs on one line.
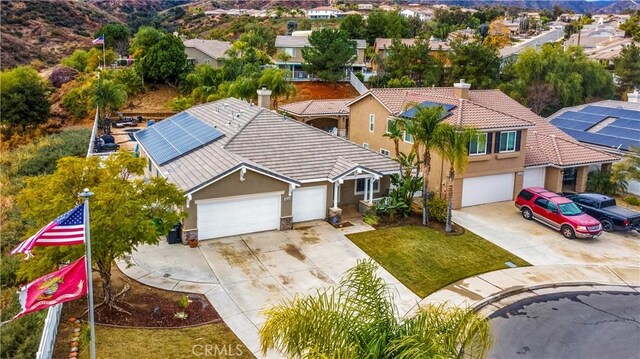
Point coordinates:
[[621, 132], [613, 112], [571, 124], [176, 136], [584, 117], [412, 111]]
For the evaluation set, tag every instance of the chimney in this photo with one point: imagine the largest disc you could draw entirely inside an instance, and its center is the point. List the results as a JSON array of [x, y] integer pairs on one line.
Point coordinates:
[[633, 97], [461, 89], [264, 97]]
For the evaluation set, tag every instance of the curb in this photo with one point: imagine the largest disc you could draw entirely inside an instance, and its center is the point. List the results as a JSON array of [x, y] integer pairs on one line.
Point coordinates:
[[478, 306]]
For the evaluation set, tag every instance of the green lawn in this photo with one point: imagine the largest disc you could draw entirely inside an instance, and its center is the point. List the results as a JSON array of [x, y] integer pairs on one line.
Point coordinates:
[[207, 341], [425, 259]]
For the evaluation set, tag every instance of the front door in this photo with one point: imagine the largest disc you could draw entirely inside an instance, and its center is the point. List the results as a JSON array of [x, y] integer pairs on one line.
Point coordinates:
[[569, 179]]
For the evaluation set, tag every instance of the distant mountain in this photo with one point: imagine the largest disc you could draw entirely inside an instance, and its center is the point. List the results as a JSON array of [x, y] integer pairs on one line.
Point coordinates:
[[620, 6], [577, 6]]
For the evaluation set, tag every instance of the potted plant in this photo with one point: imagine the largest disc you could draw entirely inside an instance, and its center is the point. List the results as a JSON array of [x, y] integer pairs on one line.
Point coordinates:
[[193, 242]]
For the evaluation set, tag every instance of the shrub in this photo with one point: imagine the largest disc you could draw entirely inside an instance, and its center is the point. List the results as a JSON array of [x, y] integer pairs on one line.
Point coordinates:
[[437, 208], [371, 218], [180, 103], [184, 301], [632, 200], [61, 75], [76, 103]]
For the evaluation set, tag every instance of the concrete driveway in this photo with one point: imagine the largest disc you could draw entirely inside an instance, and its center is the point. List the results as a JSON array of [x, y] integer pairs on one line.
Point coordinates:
[[502, 224], [243, 275]]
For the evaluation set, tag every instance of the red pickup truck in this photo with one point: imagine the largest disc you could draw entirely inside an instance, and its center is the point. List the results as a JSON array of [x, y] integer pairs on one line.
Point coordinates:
[[557, 212]]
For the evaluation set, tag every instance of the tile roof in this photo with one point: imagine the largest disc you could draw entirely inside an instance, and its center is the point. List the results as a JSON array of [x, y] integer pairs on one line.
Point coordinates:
[[317, 107], [302, 41], [481, 103], [382, 43], [261, 139], [214, 48]]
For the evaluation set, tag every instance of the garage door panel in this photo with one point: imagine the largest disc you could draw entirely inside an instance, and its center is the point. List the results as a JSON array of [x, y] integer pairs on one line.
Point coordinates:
[[487, 189], [228, 217], [309, 203], [533, 177]]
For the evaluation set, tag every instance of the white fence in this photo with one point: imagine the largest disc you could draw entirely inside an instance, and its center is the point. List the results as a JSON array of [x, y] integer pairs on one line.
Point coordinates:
[[48, 339], [357, 84]]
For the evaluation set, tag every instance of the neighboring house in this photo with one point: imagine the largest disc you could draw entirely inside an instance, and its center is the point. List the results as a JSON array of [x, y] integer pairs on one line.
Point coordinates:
[[569, 17], [244, 168], [365, 6], [608, 50], [592, 39], [329, 115], [612, 126], [382, 49], [516, 148], [208, 52], [324, 12], [423, 15], [293, 45]]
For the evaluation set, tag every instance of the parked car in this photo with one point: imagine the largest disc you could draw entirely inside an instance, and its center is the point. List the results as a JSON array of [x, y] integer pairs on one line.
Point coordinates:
[[604, 208], [557, 212]]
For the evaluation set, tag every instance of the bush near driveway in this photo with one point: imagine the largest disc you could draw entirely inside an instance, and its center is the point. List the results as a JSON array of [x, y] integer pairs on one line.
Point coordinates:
[[425, 259]]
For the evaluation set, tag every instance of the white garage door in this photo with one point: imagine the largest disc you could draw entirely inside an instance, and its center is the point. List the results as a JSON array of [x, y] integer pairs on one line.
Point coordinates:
[[238, 215], [533, 177], [487, 189], [309, 203]]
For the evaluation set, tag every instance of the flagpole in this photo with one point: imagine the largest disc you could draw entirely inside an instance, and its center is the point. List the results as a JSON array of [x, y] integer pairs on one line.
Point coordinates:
[[87, 237], [104, 58]]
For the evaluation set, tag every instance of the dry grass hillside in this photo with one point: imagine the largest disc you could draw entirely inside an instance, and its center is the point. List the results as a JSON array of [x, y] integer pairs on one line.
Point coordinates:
[[47, 30]]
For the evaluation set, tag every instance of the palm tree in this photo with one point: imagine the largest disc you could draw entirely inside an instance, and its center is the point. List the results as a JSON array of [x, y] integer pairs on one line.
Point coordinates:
[[453, 145], [423, 129], [395, 131], [276, 81], [284, 57], [108, 96], [358, 319], [630, 164]]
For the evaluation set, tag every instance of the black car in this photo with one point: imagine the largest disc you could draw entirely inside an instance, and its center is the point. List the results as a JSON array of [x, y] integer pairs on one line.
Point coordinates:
[[604, 209]]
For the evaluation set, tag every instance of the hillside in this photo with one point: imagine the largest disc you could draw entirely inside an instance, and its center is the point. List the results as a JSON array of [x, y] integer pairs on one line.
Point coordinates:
[[47, 30], [620, 6], [577, 6]]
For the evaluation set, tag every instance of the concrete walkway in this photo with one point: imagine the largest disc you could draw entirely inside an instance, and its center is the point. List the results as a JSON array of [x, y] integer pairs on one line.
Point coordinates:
[[519, 283], [243, 275]]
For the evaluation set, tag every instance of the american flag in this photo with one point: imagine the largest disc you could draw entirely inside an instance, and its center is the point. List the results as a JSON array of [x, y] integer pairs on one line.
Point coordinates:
[[99, 40], [68, 229]]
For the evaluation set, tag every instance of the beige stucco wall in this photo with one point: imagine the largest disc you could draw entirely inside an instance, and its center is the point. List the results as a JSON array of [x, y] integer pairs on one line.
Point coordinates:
[[581, 178], [553, 179], [199, 56], [231, 185]]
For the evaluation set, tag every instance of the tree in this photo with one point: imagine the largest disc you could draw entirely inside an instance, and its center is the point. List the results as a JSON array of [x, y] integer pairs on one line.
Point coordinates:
[[108, 96], [77, 60], [630, 164], [414, 61], [541, 96], [358, 319], [423, 127], [95, 58], [116, 36], [376, 26], [126, 211], [395, 132], [402, 82], [453, 145], [244, 88], [499, 35], [330, 53], [631, 27], [354, 26], [145, 38], [476, 63], [627, 67], [284, 57], [165, 61], [24, 100], [276, 81], [573, 77]]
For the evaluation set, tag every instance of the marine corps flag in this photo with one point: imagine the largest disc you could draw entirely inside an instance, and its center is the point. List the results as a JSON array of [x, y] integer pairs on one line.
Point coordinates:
[[61, 286]]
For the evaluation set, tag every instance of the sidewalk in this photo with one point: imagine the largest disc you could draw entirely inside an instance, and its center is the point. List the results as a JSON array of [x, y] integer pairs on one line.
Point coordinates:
[[482, 290]]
